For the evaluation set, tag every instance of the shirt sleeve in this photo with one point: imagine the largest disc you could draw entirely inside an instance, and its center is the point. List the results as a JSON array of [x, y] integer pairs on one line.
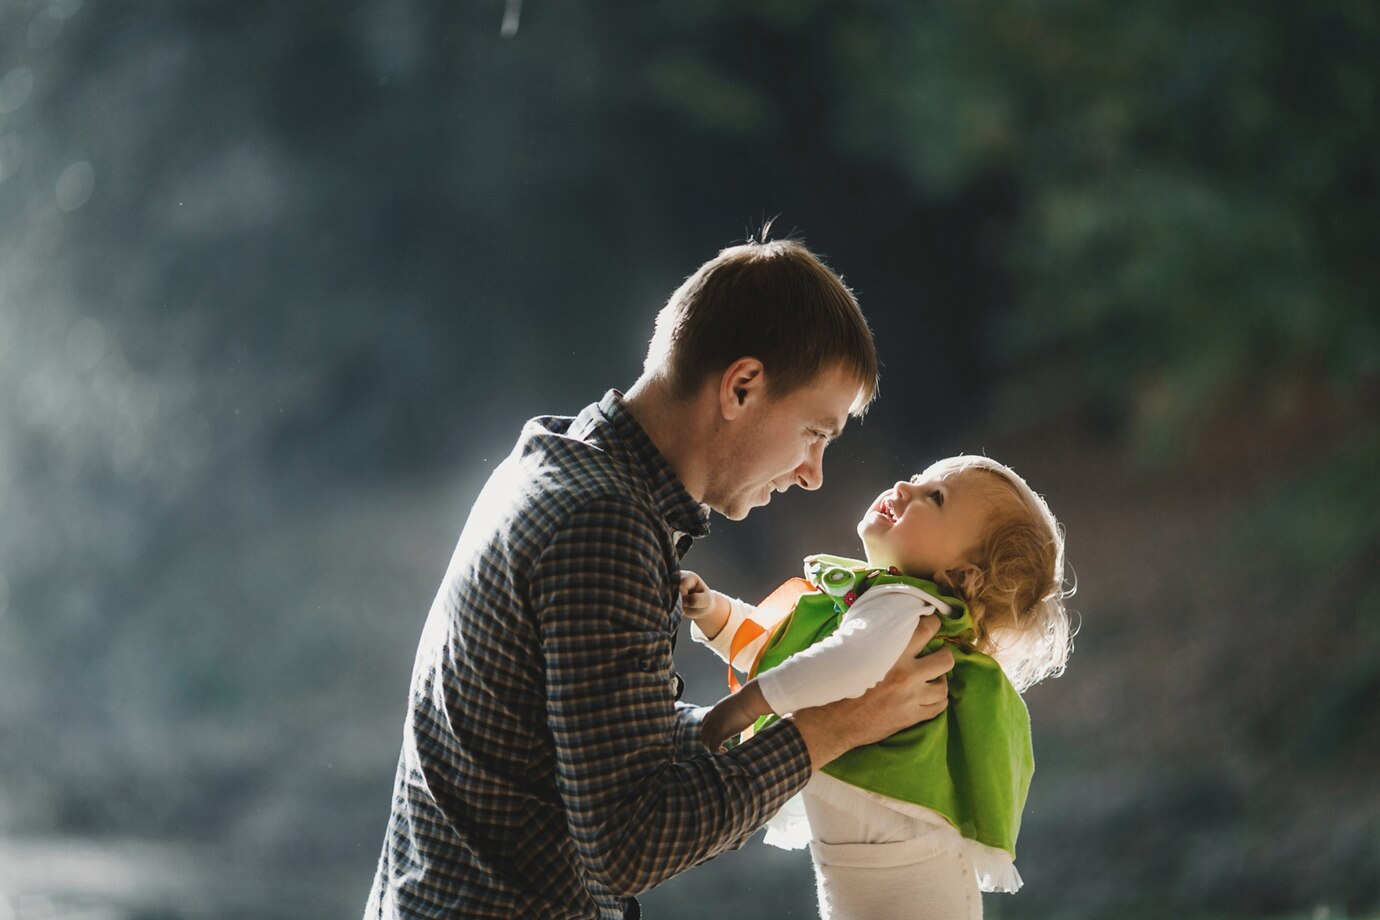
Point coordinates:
[[639, 810], [872, 636], [687, 738], [721, 644]]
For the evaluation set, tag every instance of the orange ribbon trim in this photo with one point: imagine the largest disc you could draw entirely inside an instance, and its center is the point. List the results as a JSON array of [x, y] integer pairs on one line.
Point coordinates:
[[782, 599]]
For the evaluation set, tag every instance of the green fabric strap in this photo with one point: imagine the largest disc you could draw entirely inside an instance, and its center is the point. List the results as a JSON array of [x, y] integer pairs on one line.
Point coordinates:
[[973, 762]]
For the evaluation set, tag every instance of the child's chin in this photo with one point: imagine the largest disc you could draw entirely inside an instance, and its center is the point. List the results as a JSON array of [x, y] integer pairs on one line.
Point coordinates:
[[873, 523]]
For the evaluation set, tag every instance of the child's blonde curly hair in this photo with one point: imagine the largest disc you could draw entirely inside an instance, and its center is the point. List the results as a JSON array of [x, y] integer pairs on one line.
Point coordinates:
[[1017, 595]]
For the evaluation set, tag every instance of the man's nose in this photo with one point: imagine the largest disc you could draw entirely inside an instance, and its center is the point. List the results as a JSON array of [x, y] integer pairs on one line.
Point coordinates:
[[810, 474]]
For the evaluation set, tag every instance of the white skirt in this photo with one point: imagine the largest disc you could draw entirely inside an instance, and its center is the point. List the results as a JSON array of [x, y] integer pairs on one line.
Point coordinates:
[[907, 880], [830, 814]]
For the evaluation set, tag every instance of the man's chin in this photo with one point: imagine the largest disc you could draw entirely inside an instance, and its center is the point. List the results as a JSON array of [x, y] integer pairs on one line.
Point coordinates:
[[738, 510], [741, 507]]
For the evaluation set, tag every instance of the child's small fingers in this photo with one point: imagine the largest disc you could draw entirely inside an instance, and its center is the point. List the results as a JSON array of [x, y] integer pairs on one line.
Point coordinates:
[[692, 584], [694, 593]]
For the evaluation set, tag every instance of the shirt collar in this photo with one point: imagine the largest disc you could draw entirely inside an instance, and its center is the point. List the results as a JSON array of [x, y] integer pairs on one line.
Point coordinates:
[[680, 510]]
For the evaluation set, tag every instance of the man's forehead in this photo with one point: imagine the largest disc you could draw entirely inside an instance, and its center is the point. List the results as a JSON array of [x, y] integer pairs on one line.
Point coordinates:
[[828, 402]]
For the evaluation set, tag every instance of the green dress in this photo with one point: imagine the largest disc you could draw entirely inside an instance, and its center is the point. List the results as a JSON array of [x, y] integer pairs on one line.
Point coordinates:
[[972, 763]]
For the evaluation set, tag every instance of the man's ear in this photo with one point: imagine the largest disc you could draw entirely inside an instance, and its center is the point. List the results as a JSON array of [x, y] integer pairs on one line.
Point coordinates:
[[742, 383]]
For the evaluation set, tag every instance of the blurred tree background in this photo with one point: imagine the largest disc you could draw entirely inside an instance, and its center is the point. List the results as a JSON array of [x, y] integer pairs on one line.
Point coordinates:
[[279, 283]]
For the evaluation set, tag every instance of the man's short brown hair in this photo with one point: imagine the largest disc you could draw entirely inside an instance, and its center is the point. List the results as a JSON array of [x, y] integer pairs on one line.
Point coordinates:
[[774, 301]]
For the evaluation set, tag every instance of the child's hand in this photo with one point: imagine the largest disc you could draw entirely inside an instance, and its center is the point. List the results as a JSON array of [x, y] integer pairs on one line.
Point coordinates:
[[732, 714], [709, 609], [696, 600]]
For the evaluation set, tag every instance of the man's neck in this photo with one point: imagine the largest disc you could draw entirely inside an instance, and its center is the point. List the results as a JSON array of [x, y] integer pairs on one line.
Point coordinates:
[[676, 427]]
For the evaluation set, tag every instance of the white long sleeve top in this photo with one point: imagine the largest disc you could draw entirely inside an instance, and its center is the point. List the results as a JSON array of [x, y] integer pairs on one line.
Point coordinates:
[[872, 635]]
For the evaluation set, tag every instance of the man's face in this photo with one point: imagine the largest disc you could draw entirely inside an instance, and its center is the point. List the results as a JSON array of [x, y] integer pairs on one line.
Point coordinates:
[[779, 443]]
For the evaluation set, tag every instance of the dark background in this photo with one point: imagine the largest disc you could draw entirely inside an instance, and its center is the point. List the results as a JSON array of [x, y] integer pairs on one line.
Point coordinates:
[[280, 281]]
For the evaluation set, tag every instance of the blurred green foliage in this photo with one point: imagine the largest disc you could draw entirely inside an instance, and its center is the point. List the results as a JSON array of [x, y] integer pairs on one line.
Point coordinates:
[[1195, 188], [1325, 521]]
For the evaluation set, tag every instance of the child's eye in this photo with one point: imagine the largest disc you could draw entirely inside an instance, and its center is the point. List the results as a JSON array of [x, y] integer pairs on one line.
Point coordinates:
[[938, 497]]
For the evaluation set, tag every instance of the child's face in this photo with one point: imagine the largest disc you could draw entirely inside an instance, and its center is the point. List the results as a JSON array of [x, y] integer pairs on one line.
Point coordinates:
[[925, 526]]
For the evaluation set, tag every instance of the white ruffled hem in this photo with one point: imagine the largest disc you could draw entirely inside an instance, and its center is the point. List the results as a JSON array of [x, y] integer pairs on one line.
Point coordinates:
[[789, 829]]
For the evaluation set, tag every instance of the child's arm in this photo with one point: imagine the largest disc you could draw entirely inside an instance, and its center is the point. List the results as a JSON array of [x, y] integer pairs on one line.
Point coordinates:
[[874, 633], [735, 712], [715, 619], [709, 610], [872, 636]]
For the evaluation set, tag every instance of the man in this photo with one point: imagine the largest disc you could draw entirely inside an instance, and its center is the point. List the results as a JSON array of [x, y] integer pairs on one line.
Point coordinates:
[[547, 769]]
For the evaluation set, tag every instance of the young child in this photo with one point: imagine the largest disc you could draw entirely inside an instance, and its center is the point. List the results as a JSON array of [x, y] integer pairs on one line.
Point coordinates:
[[913, 826]]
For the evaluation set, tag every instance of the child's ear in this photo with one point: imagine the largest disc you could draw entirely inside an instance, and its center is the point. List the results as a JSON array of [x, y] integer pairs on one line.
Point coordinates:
[[965, 578]]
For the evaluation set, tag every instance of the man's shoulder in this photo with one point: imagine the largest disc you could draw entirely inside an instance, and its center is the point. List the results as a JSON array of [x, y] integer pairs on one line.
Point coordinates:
[[574, 465]]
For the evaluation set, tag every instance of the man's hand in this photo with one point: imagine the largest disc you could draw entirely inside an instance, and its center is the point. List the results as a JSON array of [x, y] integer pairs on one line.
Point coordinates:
[[916, 689], [709, 609]]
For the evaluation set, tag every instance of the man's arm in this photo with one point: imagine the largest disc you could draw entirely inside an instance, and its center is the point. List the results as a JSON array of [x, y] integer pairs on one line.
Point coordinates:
[[638, 811], [689, 731]]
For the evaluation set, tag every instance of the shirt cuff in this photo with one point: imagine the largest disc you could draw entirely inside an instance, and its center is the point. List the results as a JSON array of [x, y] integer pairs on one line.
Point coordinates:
[[686, 738], [777, 761]]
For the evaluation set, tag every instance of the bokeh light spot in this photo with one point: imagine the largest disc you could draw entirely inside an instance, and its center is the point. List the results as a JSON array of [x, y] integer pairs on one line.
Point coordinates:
[[75, 185], [15, 89]]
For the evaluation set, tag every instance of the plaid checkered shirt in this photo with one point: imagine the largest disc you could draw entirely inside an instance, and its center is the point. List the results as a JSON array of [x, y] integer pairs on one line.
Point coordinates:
[[547, 768]]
